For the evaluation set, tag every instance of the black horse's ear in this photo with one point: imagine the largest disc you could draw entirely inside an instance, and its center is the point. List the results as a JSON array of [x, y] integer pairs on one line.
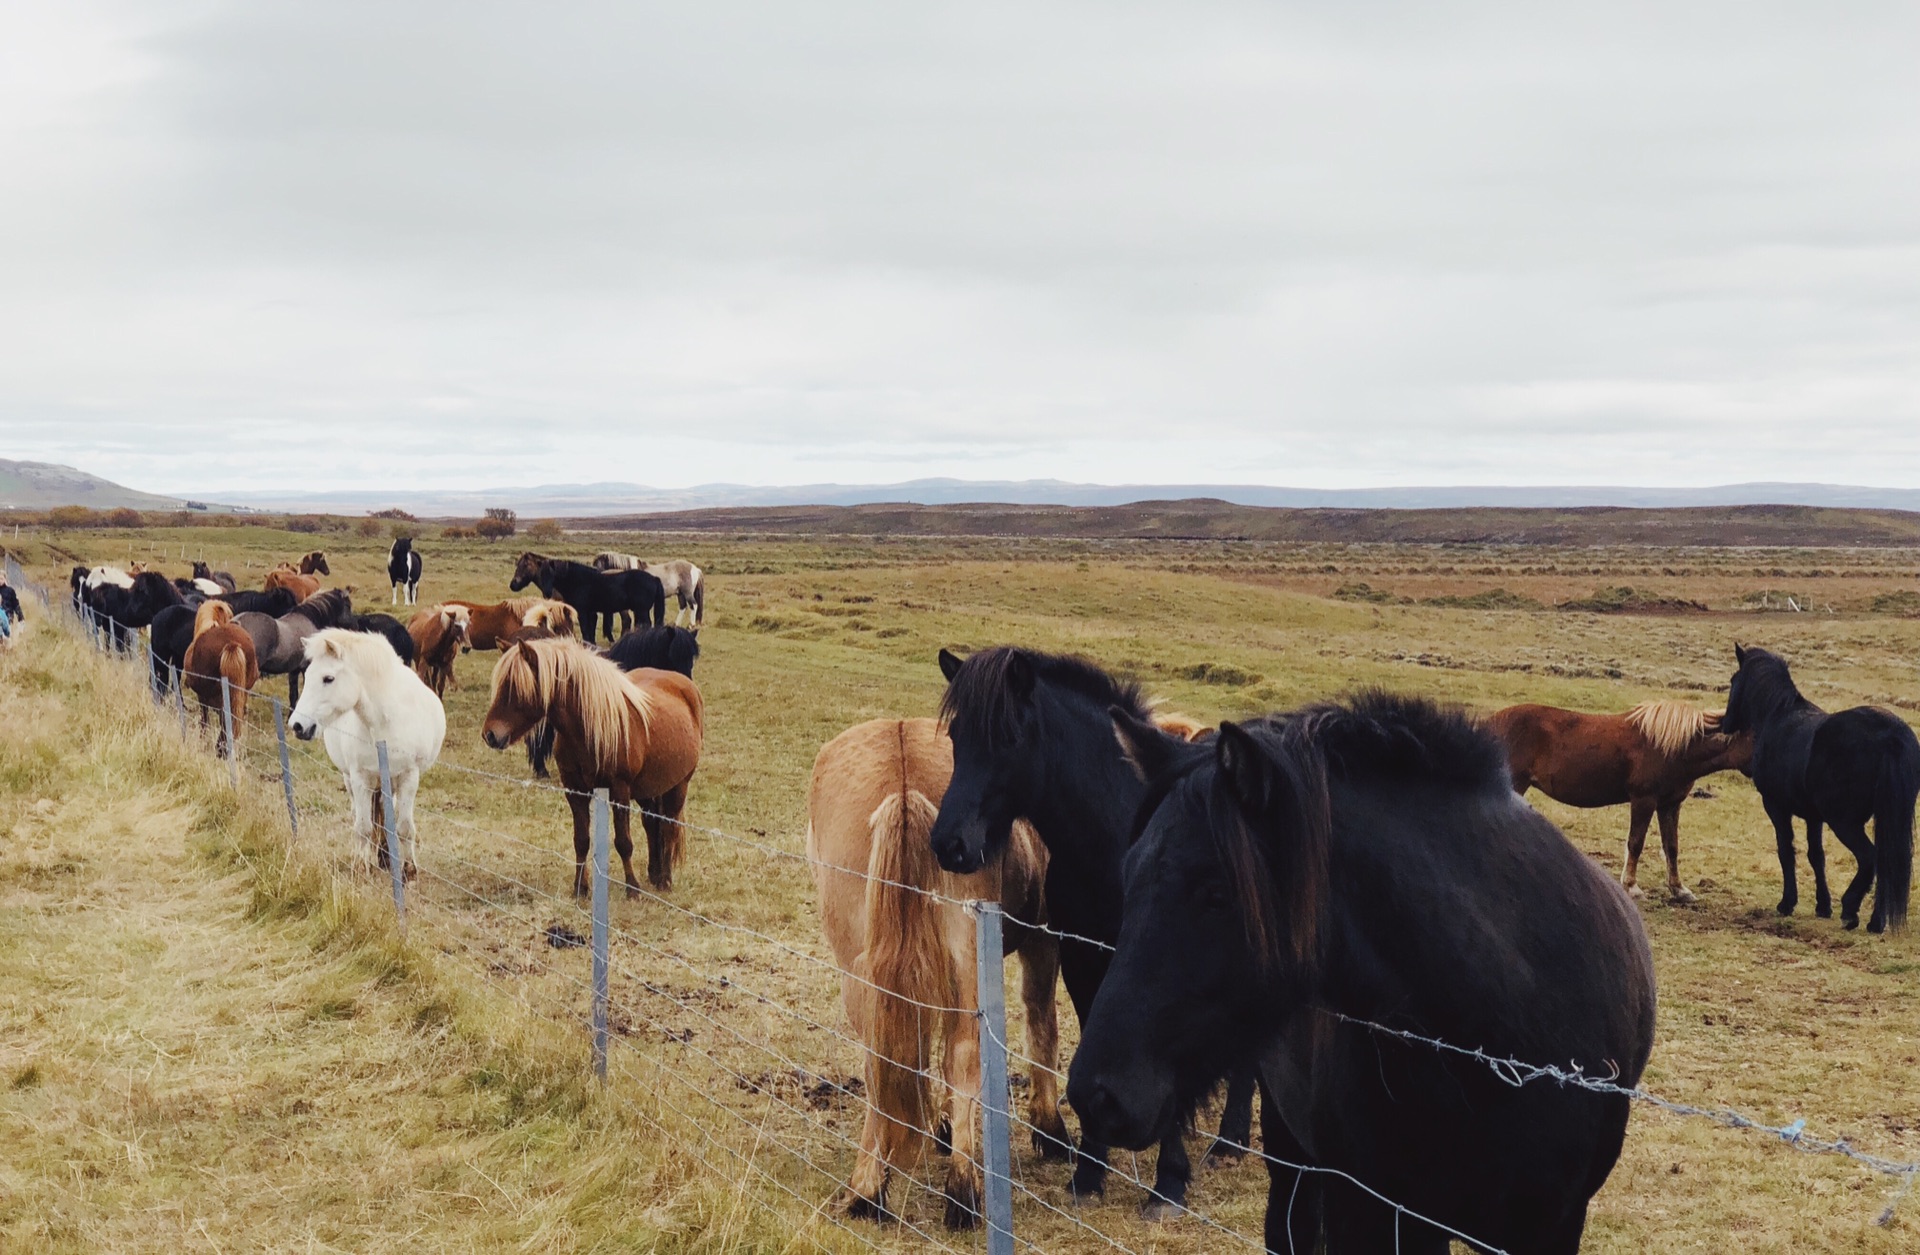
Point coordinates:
[[1739, 655], [950, 664], [1247, 769], [1020, 677], [1149, 751]]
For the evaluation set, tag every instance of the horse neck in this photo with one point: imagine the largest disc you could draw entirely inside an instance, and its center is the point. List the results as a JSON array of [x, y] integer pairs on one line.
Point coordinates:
[[1088, 792]]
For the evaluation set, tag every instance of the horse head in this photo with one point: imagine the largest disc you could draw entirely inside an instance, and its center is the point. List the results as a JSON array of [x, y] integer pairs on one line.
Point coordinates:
[[314, 563], [332, 686], [990, 717], [519, 698], [529, 569]]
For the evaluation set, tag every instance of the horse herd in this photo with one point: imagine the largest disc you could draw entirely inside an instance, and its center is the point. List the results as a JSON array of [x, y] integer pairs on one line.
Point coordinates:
[[1267, 904]]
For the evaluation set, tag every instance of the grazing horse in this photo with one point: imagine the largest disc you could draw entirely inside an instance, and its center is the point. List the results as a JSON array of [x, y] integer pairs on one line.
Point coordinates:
[[284, 576], [1370, 862], [1648, 758], [403, 570], [874, 793], [281, 642], [439, 635], [626, 595], [1032, 740], [201, 571], [314, 563], [664, 648], [359, 694], [220, 648], [1841, 769], [635, 734], [679, 579]]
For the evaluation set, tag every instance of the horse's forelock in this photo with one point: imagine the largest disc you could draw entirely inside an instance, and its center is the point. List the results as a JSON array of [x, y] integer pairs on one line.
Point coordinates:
[[1277, 862]]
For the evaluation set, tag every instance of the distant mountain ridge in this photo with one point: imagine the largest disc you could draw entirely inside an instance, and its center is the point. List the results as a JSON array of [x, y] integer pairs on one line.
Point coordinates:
[[590, 500], [43, 485]]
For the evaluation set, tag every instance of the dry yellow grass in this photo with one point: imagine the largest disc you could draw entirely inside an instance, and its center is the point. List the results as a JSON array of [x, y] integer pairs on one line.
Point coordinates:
[[1780, 1018]]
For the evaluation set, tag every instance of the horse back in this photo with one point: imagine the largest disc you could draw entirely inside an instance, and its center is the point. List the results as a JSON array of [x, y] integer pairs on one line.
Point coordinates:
[[674, 731]]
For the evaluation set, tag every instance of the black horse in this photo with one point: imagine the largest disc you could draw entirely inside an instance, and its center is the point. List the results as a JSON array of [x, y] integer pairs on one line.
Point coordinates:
[[126, 610], [169, 634], [629, 596], [667, 648], [1843, 769], [384, 625], [201, 571], [1370, 861], [1032, 740]]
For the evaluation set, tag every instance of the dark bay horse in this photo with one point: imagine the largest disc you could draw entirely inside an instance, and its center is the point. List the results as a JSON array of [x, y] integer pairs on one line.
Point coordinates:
[[630, 596], [1647, 758], [1370, 860], [1032, 740], [1841, 769], [280, 643]]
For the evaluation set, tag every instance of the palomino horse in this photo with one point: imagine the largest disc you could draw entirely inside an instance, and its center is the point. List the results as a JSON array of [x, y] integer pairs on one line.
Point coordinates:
[[635, 734], [1648, 758], [876, 788], [1311, 875], [359, 694], [281, 643], [300, 584], [439, 635], [220, 649], [1842, 769], [679, 579]]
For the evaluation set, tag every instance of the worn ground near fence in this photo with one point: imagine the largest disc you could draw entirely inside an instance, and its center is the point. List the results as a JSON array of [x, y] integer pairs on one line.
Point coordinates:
[[1783, 1018]]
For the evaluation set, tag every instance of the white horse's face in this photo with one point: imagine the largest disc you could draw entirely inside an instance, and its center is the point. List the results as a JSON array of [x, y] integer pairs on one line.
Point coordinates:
[[329, 690]]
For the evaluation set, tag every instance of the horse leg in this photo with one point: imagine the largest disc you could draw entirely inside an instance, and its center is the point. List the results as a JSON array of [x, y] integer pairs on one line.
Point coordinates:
[[1642, 811], [1783, 840], [1356, 1221], [1294, 1196], [1236, 1121], [1081, 968], [293, 688], [1670, 846], [665, 836], [961, 1070], [580, 804], [362, 800], [1039, 973], [622, 797], [404, 790], [1817, 859], [1854, 837], [1171, 1174]]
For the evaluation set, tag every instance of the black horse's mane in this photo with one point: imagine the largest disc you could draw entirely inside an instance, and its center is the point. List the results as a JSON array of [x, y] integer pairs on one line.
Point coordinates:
[[1768, 684], [980, 698], [1393, 736], [325, 607]]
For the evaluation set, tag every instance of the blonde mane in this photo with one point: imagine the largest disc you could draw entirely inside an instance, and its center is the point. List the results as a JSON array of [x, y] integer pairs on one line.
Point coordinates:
[[211, 614], [565, 670], [1671, 727]]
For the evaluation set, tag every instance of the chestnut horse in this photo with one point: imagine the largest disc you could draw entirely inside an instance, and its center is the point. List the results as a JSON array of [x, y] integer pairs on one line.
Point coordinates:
[[876, 789], [1648, 758], [300, 584], [496, 625], [439, 635], [220, 648], [636, 734]]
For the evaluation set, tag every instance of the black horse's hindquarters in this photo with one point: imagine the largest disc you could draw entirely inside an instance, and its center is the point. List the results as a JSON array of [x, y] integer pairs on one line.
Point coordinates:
[[1457, 913]]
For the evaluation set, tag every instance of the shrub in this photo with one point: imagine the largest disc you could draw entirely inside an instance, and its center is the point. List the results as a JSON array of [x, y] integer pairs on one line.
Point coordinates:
[[456, 532], [402, 515], [67, 517], [491, 528], [545, 529], [125, 516], [306, 523], [368, 527]]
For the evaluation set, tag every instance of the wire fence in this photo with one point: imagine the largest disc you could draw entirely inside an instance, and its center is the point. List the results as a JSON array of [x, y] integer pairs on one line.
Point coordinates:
[[704, 1024]]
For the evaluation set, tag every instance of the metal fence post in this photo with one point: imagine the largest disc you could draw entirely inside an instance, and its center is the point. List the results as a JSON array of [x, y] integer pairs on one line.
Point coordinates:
[[392, 838], [995, 1133], [226, 719], [286, 771], [153, 690], [179, 695], [602, 858]]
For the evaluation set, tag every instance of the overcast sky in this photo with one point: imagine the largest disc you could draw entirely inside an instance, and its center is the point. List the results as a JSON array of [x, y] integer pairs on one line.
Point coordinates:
[[259, 245]]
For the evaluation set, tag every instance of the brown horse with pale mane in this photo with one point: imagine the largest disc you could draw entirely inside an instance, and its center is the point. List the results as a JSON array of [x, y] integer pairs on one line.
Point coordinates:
[[875, 791], [301, 584], [636, 734], [496, 625], [1649, 758], [220, 649]]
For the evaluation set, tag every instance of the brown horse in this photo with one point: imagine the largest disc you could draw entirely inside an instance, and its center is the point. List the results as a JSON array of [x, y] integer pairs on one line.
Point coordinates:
[[220, 648], [876, 788], [314, 563], [439, 636], [301, 585], [1648, 757], [496, 625], [636, 734]]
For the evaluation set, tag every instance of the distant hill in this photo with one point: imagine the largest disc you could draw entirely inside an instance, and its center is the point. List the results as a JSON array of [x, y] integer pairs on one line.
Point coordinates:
[[583, 500], [41, 485], [1763, 525]]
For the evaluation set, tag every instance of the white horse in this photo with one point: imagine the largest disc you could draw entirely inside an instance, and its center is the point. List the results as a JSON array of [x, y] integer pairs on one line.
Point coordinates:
[[108, 575], [678, 578], [358, 693]]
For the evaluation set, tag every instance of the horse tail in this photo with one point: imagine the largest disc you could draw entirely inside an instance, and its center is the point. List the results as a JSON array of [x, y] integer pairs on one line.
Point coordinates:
[[905, 957], [1893, 827], [699, 597]]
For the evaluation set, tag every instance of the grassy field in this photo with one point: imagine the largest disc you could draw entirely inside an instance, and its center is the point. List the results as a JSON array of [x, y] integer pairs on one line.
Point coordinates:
[[176, 989]]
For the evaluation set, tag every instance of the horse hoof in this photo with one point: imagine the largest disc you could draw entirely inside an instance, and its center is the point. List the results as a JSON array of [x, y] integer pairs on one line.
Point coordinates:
[[1849, 922], [1876, 925], [860, 1207], [1635, 892], [1824, 910], [1084, 1191], [960, 1213], [1159, 1210], [1052, 1145], [1224, 1156], [1786, 907], [1682, 895]]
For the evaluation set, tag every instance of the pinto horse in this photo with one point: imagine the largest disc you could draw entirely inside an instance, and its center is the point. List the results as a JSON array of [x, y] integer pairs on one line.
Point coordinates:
[[1032, 739], [1841, 769], [1310, 875], [403, 570], [597, 595], [635, 734], [220, 649], [679, 579], [874, 793], [1648, 758]]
